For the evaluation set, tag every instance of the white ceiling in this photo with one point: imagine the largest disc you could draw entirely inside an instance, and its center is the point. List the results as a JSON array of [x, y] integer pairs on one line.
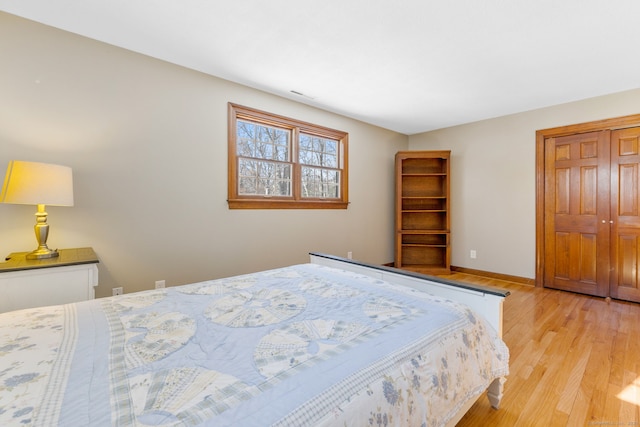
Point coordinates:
[[406, 65]]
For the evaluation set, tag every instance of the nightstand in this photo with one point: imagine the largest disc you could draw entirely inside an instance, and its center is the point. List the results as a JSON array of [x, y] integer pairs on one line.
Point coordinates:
[[70, 277]]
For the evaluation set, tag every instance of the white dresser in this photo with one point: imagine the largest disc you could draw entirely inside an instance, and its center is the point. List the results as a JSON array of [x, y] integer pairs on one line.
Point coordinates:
[[70, 277]]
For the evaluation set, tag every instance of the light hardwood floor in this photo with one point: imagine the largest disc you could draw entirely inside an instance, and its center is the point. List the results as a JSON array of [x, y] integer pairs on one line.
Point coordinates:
[[575, 360]]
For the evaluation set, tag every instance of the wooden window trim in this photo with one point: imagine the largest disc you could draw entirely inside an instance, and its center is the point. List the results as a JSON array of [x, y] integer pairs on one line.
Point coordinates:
[[237, 201]]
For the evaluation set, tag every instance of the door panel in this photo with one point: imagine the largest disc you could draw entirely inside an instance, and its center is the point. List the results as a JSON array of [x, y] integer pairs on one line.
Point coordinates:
[[625, 225], [577, 180]]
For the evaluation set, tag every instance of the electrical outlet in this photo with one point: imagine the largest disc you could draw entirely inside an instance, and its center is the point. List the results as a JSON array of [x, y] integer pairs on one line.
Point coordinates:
[[473, 254], [117, 291], [159, 284], [350, 255]]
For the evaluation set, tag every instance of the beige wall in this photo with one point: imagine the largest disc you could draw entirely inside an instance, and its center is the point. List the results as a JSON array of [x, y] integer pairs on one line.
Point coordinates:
[[493, 179], [148, 146], [147, 143]]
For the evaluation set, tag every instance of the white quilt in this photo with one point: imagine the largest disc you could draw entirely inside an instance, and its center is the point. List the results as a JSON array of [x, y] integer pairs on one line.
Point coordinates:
[[302, 345]]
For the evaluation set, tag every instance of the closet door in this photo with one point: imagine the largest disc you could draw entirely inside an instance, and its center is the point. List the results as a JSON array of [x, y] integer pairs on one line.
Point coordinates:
[[625, 223], [577, 227], [588, 210]]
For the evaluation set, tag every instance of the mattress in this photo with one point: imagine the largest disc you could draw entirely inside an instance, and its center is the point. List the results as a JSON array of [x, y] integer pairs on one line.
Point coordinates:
[[305, 345]]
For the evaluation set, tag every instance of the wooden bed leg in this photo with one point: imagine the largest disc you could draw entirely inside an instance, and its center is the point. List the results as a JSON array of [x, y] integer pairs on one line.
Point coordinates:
[[494, 392]]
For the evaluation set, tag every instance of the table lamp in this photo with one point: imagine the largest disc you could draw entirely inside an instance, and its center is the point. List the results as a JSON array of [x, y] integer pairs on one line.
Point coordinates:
[[31, 183]]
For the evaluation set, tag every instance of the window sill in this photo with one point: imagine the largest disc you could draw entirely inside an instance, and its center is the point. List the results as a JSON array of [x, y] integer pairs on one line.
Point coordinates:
[[285, 204]]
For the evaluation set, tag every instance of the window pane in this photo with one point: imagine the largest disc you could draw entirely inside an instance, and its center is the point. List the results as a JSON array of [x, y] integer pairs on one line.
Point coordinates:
[[245, 139], [262, 142], [247, 185], [256, 177], [320, 183], [317, 151]]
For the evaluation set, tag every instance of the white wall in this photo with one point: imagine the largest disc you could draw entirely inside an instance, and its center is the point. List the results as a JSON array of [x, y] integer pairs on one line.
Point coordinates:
[[147, 142], [493, 179]]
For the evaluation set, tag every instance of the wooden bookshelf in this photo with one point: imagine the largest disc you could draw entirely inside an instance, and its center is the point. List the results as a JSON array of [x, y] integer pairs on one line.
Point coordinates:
[[423, 211]]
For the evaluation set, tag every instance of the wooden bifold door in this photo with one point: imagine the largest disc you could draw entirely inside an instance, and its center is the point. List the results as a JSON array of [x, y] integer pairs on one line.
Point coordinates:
[[592, 213]]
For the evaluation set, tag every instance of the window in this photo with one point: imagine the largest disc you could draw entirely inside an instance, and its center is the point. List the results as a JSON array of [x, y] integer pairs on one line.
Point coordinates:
[[280, 163]]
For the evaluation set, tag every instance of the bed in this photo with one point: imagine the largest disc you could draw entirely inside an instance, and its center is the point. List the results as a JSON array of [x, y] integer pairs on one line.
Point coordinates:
[[333, 342]]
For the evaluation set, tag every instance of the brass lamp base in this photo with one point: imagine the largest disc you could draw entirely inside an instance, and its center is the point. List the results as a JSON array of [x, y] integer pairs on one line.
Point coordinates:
[[42, 232], [43, 253]]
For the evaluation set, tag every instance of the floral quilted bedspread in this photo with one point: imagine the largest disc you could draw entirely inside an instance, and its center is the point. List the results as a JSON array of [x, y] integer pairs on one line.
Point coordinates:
[[302, 345]]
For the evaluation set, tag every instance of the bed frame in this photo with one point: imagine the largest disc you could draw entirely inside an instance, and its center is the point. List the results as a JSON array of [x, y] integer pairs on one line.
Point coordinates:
[[483, 300]]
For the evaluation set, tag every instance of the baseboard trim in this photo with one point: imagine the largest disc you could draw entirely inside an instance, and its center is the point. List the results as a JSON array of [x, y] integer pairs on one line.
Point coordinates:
[[499, 276], [489, 274]]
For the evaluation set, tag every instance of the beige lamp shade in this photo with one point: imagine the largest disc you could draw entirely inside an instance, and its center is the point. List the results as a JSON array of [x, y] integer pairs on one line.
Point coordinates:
[[32, 183]]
